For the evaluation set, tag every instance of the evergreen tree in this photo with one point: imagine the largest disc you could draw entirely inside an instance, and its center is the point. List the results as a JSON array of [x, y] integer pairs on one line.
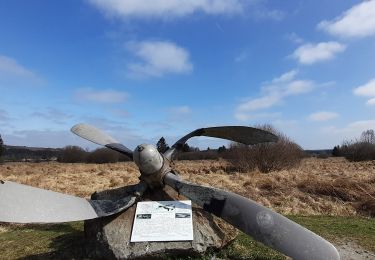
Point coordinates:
[[1, 146], [185, 148], [336, 151], [221, 149], [161, 145]]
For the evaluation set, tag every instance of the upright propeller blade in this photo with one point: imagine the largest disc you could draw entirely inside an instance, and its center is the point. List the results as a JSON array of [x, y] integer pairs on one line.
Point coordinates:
[[95, 135], [25, 204], [240, 134], [259, 222]]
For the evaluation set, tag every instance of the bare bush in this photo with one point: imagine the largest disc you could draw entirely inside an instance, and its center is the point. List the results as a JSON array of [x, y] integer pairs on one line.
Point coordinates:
[[198, 155], [72, 154], [362, 149], [103, 155], [267, 157], [358, 151]]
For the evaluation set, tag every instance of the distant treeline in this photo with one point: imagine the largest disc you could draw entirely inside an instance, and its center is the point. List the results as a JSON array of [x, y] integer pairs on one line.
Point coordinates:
[[266, 157], [360, 149], [24, 153], [76, 154]]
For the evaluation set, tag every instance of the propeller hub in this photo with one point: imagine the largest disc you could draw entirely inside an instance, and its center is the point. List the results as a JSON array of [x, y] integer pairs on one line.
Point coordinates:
[[148, 159]]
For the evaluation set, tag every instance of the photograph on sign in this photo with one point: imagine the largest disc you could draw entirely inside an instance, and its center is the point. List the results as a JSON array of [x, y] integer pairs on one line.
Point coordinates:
[[163, 221]]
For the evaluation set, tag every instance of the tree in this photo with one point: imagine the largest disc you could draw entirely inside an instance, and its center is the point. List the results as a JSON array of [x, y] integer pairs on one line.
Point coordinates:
[[221, 149], [336, 151], [1, 146], [161, 145], [72, 154], [186, 148], [368, 136]]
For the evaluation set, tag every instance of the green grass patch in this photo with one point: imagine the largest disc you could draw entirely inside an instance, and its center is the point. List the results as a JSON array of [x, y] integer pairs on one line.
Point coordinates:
[[358, 229], [57, 241], [66, 241]]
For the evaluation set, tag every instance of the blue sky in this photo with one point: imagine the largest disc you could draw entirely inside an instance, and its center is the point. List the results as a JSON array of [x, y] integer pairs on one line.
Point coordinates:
[[145, 69]]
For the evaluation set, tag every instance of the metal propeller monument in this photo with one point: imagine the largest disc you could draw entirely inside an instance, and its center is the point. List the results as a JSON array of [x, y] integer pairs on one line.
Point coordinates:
[[25, 204]]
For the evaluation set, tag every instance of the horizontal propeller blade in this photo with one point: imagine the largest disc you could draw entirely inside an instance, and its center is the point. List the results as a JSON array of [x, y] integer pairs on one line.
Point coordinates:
[[25, 204], [96, 136], [241, 134], [259, 222]]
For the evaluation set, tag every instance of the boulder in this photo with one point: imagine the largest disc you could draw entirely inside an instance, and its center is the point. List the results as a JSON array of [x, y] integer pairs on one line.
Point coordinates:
[[109, 237]]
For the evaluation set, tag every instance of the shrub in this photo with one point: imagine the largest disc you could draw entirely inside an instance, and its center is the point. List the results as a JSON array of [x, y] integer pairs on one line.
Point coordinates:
[[198, 155], [103, 155], [358, 151], [267, 157], [72, 154], [362, 149]]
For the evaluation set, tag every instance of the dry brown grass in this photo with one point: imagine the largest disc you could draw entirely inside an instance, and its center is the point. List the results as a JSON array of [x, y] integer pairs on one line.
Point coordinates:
[[331, 186]]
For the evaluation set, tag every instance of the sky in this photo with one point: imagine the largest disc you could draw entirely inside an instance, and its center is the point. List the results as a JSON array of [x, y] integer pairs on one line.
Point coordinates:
[[142, 69]]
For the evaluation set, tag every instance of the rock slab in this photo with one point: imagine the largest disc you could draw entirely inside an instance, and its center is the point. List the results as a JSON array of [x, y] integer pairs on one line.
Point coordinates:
[[109, 237]]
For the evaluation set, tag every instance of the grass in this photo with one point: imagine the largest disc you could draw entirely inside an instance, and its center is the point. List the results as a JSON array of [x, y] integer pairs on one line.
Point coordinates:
[[360, 230], [55, 241], [66, 241]]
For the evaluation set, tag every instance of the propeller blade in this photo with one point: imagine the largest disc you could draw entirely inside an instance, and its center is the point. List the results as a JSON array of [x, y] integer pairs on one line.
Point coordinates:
[[241, 134], [96, 136], [259, 222], [25, 204]]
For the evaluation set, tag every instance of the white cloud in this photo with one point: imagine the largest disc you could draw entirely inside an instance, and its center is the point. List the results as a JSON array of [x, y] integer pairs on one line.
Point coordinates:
[[250, 116], [358, 21], [298, 87], [10, 69], [166, 8], [273, 93], [101, 96], [371, 102], [61, 138], [285, 77], [312, 53], [275, 15], [52, 114], [350, 131], [158, 58], [259, 103], [323, 116], [293, 37], [367, 90]]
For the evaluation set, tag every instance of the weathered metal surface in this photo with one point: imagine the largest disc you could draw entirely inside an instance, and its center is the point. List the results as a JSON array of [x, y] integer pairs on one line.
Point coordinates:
[[259, 222], [25, 204], [148, 159], [95, 135], [115, 201], [240, 134]]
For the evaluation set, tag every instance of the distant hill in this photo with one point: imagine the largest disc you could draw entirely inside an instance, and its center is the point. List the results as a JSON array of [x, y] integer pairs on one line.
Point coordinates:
[[25, 153], [319, 152]]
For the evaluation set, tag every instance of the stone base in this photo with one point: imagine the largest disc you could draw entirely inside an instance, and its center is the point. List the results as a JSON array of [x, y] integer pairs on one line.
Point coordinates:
[[109, 237]]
